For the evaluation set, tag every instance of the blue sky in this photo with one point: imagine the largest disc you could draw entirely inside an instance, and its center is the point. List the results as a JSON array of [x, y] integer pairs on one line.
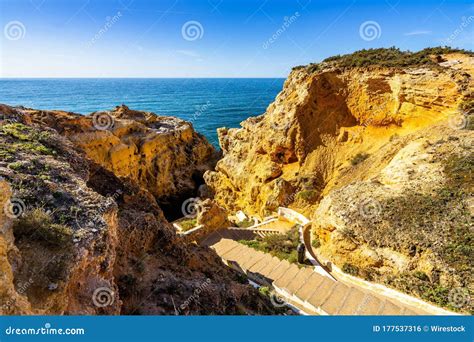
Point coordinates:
[[213, 38]]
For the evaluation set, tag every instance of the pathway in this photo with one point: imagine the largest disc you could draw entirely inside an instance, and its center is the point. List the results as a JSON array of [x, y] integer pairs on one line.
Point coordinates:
[[309, 291]]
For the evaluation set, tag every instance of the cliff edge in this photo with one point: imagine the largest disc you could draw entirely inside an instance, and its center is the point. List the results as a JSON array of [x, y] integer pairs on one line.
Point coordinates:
[[375, 147], [82, 229]]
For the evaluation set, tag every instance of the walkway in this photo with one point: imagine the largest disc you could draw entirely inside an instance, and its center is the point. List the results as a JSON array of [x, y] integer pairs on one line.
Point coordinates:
[[309, 291], [313, 290]]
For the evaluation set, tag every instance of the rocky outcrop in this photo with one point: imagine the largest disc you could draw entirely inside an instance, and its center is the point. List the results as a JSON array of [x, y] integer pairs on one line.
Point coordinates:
[[162, 154], [81, 237], [383, 138], [211, 215]]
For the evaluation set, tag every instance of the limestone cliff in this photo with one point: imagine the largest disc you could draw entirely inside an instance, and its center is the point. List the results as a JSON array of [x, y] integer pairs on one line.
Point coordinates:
[[82, 230], [162, 154], [379, 132]]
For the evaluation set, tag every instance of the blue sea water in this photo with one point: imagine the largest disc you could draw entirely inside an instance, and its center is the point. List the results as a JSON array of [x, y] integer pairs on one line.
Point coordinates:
[[208, 103]]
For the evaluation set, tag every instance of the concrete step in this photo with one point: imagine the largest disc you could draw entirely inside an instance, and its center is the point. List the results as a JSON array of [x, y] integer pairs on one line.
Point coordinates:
[[264, 259], [235, 253], [322, 292], [370, 305], [287, 276], [224, 246], [310, 286], [279, 270], [333, 303], [352, 302], [299, 280], [250, 260], [389, 308]]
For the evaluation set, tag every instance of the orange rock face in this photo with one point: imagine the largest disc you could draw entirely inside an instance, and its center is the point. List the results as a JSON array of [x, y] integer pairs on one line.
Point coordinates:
[[379, 157], [88, 235]]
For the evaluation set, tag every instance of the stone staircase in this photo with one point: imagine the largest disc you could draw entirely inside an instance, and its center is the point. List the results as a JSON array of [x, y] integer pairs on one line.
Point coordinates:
[[309, 291]]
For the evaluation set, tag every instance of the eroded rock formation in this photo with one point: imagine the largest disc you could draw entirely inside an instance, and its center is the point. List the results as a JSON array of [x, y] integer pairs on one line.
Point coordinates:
[[82, 229], [391, 142]]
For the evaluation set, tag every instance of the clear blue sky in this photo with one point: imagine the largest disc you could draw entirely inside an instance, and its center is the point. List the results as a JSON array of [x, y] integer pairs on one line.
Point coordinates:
[[226, 38]]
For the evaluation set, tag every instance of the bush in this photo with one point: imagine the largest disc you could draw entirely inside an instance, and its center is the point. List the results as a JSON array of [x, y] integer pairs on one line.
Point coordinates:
[[246, 223], [188, 224], [264, 290], [350, 269], [316, 243], [391, 57], [310, 196], [283, 246], [37, 225], [359, 158]]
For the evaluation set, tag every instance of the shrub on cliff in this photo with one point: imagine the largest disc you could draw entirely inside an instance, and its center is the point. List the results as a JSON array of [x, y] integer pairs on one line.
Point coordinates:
[[391, 57], [38, 225]]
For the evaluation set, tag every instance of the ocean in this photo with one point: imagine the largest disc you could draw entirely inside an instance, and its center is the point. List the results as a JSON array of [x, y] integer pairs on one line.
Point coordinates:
[[209, 103]]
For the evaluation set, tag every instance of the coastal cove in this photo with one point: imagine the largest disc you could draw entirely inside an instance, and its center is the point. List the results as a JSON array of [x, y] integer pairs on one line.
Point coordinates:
[[209, 103]]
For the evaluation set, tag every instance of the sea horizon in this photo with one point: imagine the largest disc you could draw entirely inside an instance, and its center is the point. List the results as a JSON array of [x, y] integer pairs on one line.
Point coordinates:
[[209, 103]]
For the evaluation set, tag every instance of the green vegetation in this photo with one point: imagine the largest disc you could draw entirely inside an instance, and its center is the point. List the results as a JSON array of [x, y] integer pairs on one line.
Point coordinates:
[[246, 223], [283, 246], [298, 67], [188, 224], [350, 269], [26, 139], [359, 158], [316, 243], [391, 57], [394, 137], [265, 290], [310, 196], [467, 107], [439, 224], [431, 291], [37, 225]]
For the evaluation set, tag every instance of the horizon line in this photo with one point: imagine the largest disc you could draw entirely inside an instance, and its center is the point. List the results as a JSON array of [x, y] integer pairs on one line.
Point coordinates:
[[132, 77]]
